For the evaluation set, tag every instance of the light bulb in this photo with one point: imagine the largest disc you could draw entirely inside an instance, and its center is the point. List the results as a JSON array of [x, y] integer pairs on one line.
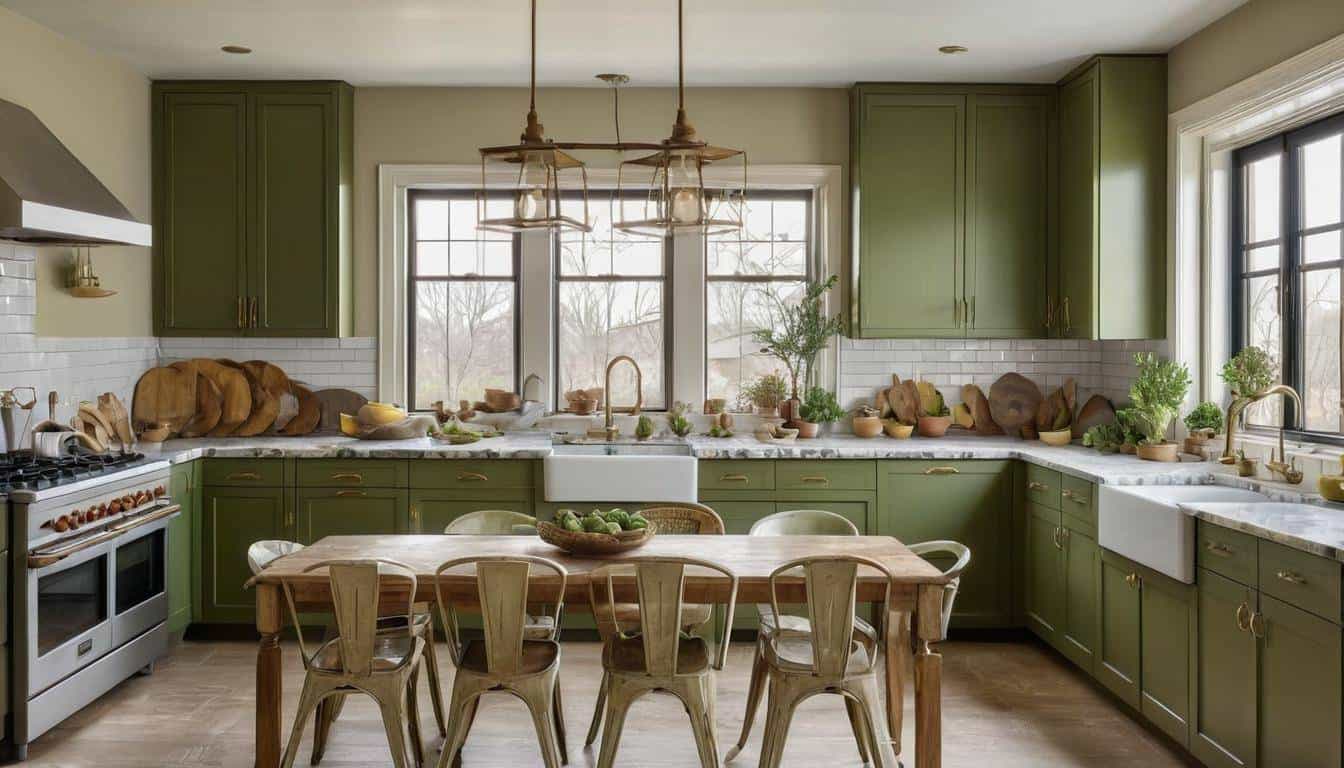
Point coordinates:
[[685, 206], [529, 204]]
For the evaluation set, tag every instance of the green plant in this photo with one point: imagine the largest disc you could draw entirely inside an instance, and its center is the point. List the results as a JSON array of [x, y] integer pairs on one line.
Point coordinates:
[[1205, 416], [1106, 438], [1130, 424], [935, 405], [768, 391], [1157, 394], [1248, 372], [820, 406], [677, 421], [799, 332]]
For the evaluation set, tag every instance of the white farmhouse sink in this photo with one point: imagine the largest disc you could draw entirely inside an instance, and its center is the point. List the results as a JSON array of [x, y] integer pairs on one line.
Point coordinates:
[[619, 478], [1144, 523]]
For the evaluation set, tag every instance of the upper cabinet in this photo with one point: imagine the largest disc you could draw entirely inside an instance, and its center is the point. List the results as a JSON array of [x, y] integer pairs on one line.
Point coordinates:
[[1112, 200], [952, 197], [252, 211]]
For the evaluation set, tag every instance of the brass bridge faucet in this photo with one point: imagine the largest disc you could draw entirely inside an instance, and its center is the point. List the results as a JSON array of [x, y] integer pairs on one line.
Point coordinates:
[[1280, 466], [610, 429]]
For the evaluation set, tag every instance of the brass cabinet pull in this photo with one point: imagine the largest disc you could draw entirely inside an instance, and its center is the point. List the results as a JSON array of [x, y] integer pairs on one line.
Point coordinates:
[[350, 492], [815, 479], [1049, 311], [1068, 321], [942, 471], [1214, 548], [1258, 625], [1132, 580], [1244, 617], [972, 311], [252, 302], [733, 479], [1058, 544], [353, 477], [956, 313], [471, 477], [1076, 498], [289, 518], [1291, 577], [252, 476], [1036, 485], [240, 311], [415, 518]]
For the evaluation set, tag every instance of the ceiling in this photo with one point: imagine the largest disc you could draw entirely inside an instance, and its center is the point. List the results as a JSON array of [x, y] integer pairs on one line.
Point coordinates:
[[728, 42]]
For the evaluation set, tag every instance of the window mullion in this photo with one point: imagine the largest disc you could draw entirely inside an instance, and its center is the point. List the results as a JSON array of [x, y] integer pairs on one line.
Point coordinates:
[[1294, 313]]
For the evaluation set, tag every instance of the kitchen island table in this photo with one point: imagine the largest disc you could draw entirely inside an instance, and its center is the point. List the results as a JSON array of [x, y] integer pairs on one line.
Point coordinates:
[[915, 591]]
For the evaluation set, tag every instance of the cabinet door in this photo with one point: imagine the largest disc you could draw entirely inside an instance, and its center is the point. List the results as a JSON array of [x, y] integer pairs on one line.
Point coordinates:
[[183, 489], [1045, 573], [738, 517], [232, 519], [350, 512], [1117, 664], [431, 513], [911, 215], [1007, 230], [1299, 687], [201, 218], [855, 512], [1225, 674], [970, 507], [1079, 161], [1168, 628], [295, 234], [1082, 563]]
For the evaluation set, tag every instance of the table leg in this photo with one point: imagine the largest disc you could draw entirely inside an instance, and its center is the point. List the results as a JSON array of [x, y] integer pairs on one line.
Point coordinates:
[[268, 676], [897, 648], [928, 626]]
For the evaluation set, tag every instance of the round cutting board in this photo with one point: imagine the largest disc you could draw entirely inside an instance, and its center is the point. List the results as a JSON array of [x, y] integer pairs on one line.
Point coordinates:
[[1013, 402]]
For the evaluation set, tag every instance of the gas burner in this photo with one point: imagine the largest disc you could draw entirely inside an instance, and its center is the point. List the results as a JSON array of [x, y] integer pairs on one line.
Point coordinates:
[[26, 471]]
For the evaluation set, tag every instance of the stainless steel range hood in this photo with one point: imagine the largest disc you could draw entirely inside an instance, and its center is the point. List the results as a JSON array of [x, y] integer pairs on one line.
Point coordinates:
[[48, 197]]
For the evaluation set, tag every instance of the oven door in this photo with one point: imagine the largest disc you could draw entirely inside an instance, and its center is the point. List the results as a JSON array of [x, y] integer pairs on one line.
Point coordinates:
[[140, 578], [70, 611]]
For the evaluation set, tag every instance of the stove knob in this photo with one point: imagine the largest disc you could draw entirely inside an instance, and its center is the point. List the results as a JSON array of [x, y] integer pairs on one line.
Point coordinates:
[[127, 502], [91, 514], [143, 497], [102, 511], [76, 520], [61, 524], [114, 507], [160, 492]]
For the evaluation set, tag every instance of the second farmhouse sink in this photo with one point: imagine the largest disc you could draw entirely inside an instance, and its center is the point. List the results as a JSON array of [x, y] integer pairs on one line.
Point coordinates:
[[1145, 523], [620, 471]]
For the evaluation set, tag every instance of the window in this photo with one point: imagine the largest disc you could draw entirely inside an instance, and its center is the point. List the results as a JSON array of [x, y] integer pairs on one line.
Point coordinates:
[[1288, 215], [463, 295], [747, 279], [611, 299]]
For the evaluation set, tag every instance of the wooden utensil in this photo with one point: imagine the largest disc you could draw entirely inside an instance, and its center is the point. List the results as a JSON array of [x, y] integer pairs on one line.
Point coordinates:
[[165, 395], [1070, 390], [310, 412], [906, 406], [270, 376], [975, 399], [333, 402], [289, 408], [111, 407], [208, 404], [1013, 402], [1097, 410], [235, 394]]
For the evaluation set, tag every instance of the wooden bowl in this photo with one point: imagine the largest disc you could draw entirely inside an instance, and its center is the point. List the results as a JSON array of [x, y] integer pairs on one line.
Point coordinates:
[[933, 426], [867, 426], [898, 430], [1158, 452], [584, 543], [1057, 437]]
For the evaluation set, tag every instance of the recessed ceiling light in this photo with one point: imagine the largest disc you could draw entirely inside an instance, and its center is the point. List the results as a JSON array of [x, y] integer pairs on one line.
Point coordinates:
[[235, 49], [952, 49]]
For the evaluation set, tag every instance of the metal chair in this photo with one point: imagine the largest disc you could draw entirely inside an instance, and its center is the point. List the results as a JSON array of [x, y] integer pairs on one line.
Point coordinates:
[[493, 522], [660, 656], [961, 555], [505, 660], [360, 658]]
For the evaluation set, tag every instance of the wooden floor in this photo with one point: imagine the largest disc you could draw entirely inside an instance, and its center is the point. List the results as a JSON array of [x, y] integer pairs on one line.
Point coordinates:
[[1008, 705]]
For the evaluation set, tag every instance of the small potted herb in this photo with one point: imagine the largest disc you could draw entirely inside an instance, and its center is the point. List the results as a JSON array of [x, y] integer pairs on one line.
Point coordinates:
[[677, 421], [819, 407], [1248, 373], [1130, 434], [1157, 393], [934, 417], [797, 333], [1204, 422], [766, 393]]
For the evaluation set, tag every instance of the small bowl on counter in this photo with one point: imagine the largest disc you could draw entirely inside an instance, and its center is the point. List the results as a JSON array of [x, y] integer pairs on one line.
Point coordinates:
[[1056, 437]]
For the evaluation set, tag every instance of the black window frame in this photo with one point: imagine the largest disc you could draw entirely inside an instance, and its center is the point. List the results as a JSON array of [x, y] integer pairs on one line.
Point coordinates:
[[1287, 146], [413, 196]]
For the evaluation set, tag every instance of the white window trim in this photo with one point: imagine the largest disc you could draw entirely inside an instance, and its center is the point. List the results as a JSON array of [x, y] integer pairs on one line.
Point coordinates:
[[536, 297]]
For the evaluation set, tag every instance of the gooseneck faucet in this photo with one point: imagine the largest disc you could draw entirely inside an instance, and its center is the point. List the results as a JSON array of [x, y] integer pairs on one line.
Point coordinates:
[[1280, 466], [610, 429]]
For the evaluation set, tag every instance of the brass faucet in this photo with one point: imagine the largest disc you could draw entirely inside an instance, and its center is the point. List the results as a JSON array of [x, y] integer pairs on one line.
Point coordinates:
[[1279, 466], [610, 430]]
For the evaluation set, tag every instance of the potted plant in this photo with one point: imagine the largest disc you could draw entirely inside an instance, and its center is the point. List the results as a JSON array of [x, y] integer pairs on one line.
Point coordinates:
[[766, 393], [819, 407], [1249, 372], [1130, 434], [934, 416], [1204, 422], [1157, 394], [677, 420], [797, 334]]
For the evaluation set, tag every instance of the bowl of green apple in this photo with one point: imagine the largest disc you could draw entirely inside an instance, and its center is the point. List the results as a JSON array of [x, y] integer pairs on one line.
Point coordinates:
[[596, 533]]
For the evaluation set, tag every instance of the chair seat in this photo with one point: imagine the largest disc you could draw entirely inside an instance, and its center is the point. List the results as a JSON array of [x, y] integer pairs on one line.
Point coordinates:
[[388, 625], [793, 653], [801, 624], [692, 615], [389, 653], [626, 654], [537, 657]]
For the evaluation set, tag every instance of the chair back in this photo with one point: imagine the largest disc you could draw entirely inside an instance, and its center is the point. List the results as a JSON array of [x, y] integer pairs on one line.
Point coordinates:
[[804, 522], [263, 553], [501, 588], [660, 584], [492, 522], [960, 554], [683, 518], [830, 590], [356, 590]]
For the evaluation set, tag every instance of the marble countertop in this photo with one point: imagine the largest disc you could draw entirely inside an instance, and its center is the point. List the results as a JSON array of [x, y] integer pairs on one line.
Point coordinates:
[[1307, 527], [521, 445]]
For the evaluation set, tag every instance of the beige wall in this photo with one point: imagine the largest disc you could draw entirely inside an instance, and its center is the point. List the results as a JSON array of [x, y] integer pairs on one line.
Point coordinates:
[[1246, 41], [447, 125], [99, 108]]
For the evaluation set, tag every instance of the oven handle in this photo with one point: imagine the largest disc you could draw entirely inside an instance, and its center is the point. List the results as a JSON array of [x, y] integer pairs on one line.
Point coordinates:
[[114, 532], [156, 515]]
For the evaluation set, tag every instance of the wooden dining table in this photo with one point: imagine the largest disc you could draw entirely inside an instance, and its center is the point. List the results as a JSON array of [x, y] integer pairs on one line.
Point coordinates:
[[913, 600]]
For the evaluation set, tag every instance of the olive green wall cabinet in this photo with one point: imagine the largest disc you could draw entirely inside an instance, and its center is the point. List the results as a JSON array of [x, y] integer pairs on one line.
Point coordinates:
[[252, 208], [1112, 200], [951, 203]]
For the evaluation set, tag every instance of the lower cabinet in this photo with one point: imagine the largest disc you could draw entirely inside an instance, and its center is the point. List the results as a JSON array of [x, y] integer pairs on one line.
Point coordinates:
[[1044, 599], [231, 519], [1300, 691], [1225, 674], [1082, 564], [430, 512], [351, 511], [1119, 651], [1168, 631], [184, 489]]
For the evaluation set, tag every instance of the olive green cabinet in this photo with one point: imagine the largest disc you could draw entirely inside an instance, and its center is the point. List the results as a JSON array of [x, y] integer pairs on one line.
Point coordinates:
[[1063, 565], [1169, 629], [252, 208], [1112, 197], [1119, 649], [1300, 693], [231, 519], [184, 489], [1044, 598], [1082, 568], [432, 511], [351, 512], [1224, 732]]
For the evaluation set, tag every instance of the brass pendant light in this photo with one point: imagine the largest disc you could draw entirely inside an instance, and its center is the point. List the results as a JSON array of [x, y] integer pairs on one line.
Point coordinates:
[[676, 198], [538, 169]]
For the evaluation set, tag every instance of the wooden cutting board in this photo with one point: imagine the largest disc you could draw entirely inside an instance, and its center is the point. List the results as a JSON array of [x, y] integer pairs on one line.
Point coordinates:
[[310, 412], [235, 395], [164, 395], [975, 400], [1097, 410], [208, 405], [333, 403], [271, 377], [1013, 402]]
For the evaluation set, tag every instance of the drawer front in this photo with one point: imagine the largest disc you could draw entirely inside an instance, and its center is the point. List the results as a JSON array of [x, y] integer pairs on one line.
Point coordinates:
[[471, 475], [825, 475], [1079, 499], [1227, 552], [737, 475], [1302, 580], [266, 473], [1043, 486], [346, 473]]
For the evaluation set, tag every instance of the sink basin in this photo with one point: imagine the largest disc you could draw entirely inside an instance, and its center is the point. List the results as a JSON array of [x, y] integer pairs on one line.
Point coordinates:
[[621, 448], [1146, 524], [620, 477]]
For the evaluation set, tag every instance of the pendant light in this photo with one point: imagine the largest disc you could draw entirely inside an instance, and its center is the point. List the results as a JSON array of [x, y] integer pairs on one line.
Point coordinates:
[[537, 170], [675, 196]]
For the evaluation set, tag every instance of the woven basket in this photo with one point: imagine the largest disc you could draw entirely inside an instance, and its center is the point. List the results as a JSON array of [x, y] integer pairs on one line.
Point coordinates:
[[583, 543]]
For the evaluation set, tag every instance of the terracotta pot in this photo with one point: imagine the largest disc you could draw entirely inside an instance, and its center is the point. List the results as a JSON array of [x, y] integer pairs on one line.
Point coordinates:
[[1165, 451], [1246, 467], [1127, 448], [897, 430], [725, 420], [767, 413], [807, 429], [788, 410], [934, 426], [867, 426]]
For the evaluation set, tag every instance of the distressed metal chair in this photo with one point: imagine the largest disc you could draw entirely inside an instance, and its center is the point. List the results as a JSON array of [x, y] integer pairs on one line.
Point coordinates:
[[960, 554], [660, 656], [836, 655], [683, 518], [505, 660], [360, 658], [493, 521]]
